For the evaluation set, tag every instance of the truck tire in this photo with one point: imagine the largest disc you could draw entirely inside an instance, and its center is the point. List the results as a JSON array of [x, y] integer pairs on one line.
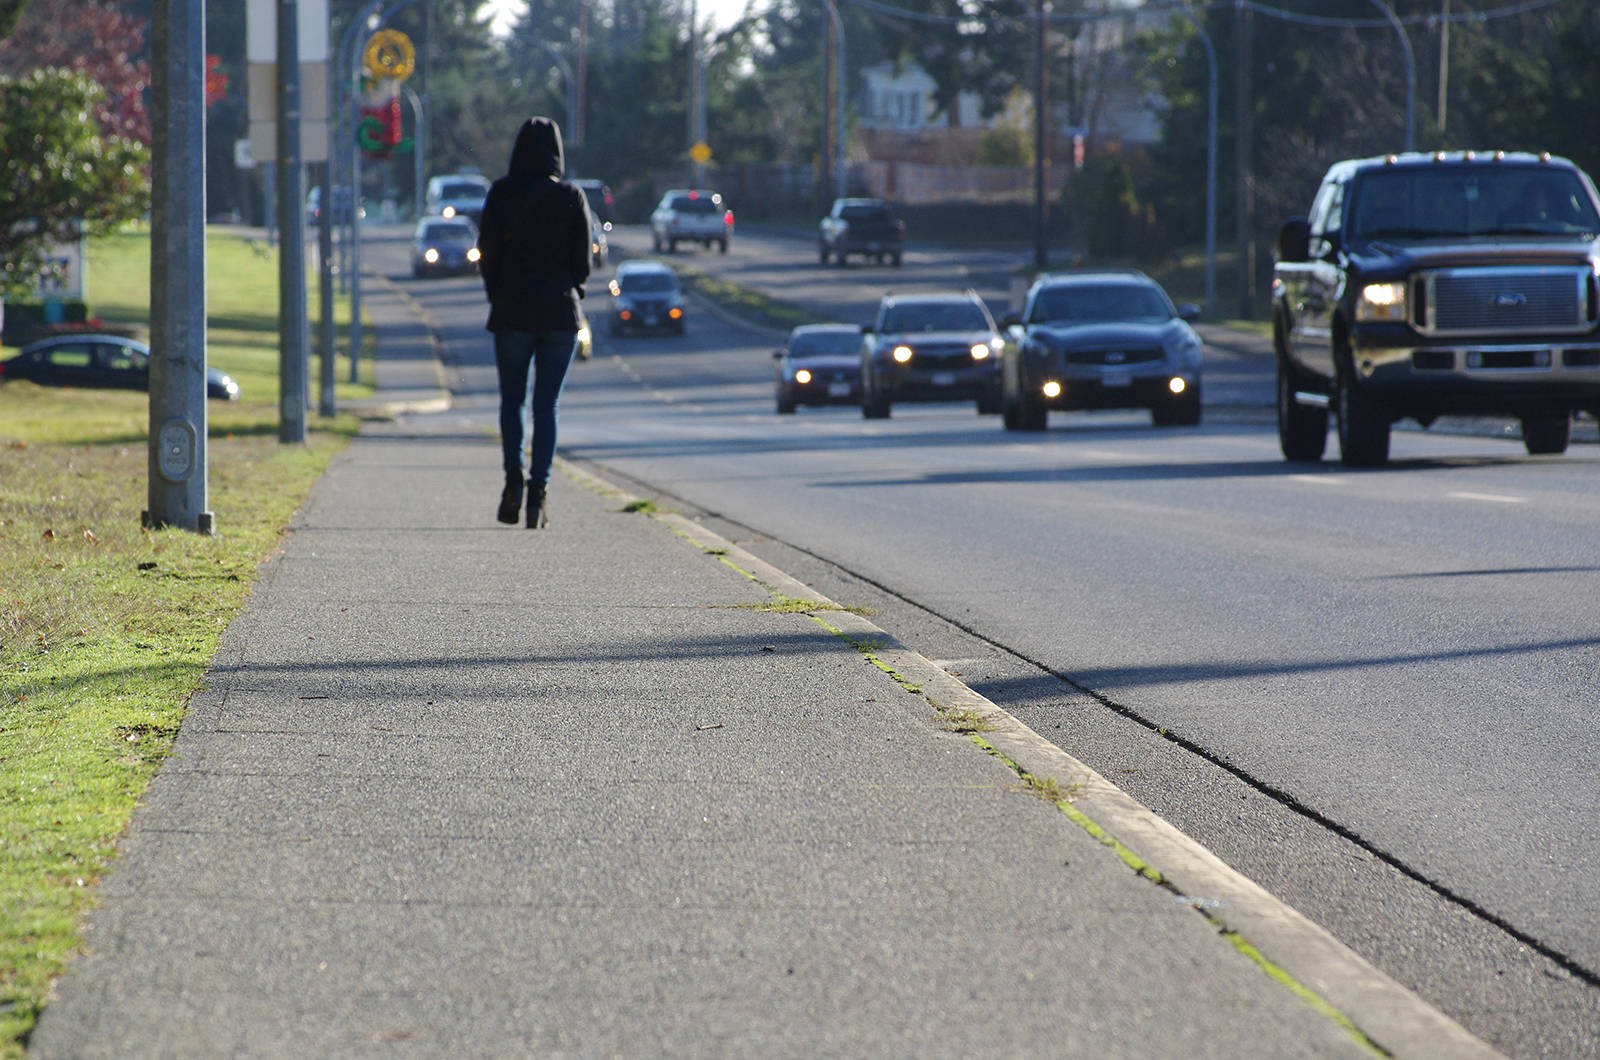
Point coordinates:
[[722, 245], [1363, 423], [1547, 435], [1302, 431]]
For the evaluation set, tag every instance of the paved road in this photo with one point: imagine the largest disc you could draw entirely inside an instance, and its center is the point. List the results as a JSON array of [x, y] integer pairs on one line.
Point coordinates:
[[1371, 691]]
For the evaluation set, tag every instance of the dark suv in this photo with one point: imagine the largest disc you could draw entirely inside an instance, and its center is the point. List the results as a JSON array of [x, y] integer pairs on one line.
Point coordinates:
[[930, 347], [1427, 285]]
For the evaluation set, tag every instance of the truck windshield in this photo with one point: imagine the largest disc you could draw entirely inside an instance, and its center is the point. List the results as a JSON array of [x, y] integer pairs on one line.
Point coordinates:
[[1472, 199]]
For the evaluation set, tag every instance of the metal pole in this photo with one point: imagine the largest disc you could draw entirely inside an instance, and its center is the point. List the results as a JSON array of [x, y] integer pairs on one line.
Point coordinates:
[[292, 223], [1411, 73], [416, 149], [825, 170], [1211, 164], [326, 400], [177, 436], [841, 151], [1041, 143], [1244, 187]]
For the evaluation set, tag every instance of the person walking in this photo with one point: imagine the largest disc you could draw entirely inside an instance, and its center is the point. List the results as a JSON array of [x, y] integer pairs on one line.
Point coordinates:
[[533, 252]]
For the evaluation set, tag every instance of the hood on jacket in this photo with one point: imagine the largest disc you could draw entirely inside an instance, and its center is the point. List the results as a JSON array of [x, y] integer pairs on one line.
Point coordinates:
[[537, 152]]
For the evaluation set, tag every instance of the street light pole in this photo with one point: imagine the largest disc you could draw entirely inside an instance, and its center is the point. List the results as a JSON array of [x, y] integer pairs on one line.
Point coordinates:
[[1411, 73], [1211, 163], [1041, 141]]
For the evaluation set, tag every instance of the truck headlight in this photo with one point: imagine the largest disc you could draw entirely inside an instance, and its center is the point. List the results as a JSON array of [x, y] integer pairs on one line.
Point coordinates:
[[1382, 301], [980, 351], [901, 354]]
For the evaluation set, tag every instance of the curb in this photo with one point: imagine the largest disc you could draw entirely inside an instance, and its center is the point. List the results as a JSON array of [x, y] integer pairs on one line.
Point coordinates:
[[1319, 969]]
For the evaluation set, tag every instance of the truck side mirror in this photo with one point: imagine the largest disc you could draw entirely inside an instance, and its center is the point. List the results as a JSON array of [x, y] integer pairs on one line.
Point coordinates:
[[1294, 240]]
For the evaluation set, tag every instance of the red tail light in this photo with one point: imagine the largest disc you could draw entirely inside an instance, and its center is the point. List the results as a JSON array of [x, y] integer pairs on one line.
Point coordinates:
[[727, 218]]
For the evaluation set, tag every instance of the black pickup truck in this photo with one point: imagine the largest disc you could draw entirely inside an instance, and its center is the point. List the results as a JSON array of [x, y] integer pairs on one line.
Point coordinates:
[[1427, 285], [860, 226]]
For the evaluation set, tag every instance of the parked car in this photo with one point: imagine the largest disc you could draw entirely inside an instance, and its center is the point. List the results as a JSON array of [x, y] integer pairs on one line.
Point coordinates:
[[820, 364], [457, 193], [687, 215], [930, 347], [602, 204], [1427, 285], [860, 226], [1100, 340], [645, 296], [444, 246], [340, 207], [95, 361]]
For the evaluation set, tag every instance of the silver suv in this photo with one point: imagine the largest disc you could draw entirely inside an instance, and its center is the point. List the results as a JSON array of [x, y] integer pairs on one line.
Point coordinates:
[[690, 215]]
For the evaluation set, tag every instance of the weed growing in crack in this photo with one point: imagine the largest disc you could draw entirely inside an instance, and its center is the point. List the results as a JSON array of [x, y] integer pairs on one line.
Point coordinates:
[[644, 507]]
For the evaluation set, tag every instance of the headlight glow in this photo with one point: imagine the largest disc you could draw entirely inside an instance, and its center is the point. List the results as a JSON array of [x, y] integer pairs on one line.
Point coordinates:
[[448, 211], [802, 376], [1051, 389], [1177, 385], [614, 288], [1382, 301], [675, 313], [980, 351], [431, 256], [472, 254], [585, 336], [901, 354]]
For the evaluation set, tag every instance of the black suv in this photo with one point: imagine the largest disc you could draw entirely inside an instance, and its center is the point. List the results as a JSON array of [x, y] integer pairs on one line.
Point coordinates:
[[1427, 285], [930, 347]]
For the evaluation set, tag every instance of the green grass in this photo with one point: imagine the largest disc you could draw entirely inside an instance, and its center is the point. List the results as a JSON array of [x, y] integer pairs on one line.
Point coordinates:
[[751, 305], [106, 629]]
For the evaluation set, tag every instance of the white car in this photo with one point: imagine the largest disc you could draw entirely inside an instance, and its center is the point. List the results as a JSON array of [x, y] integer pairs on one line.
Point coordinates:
[[690, 215], [457, 194]]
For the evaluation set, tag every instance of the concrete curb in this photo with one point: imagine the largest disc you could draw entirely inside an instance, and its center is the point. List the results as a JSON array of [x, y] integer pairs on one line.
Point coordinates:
[[1380, 1008]]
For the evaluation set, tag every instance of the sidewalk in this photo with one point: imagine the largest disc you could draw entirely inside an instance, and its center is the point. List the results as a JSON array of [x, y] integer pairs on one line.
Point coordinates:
[[461, 789]]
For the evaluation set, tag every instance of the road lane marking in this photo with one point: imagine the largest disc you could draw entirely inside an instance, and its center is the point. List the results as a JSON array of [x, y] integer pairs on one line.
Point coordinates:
[[1319, 480], [1492, 498]]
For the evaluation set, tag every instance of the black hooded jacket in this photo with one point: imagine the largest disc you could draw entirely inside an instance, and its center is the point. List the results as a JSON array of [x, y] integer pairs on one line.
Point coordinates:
[[534, 238]]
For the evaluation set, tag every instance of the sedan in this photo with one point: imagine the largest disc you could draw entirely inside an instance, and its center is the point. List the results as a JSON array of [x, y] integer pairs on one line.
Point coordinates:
[[819, 365], [444, 247], [92, 360], [1100, 340]]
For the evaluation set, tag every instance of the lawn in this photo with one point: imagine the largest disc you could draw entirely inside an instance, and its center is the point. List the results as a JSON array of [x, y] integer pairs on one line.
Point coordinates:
[[106, 629]]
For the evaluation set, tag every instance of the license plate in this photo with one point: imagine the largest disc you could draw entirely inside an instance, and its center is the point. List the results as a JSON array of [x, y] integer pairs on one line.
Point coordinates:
[[874, 246], [1116, 379], [651, 321], [944, 378], [838, 389]]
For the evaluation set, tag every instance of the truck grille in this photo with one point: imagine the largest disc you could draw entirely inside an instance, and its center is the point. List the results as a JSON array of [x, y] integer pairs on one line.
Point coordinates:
[[1504, 301]]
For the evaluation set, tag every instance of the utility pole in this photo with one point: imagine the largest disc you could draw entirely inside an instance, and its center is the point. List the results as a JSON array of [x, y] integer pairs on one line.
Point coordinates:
[[1244, 178], [581, 90], [1444, 63], [292, 245], [1041, 136], [177, 436], [825, 169]]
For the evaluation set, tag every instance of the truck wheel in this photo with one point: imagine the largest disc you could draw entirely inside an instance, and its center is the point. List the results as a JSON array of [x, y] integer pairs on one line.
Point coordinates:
[[785, 403], [722, 245], [1031, 414], [897, 261], [1302, 431], [1363, 423], [1543, 435], [873, 405]]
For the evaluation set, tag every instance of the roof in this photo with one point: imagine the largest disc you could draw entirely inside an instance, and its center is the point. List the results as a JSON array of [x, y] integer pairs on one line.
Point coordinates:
[[643, 266], [1087, 276], [1423, 159]]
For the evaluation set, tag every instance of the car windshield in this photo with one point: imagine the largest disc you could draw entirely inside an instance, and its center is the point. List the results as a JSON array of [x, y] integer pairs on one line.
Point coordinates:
[[647, 282], [1100, 303], [448, 233], [1452, 201], [703, 204], [935, 316], [462, 191], [824, 344]]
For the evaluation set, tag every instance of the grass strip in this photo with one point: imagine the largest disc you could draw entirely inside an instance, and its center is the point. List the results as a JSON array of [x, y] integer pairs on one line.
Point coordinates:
[[106, 629], [749, 304]]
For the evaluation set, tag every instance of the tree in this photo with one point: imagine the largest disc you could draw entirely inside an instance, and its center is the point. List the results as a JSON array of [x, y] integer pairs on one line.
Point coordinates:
[[97, 39], [72, 177]]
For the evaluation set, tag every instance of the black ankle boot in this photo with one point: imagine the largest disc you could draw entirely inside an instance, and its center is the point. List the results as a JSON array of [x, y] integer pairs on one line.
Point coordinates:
[[511, 498], [537, 518]]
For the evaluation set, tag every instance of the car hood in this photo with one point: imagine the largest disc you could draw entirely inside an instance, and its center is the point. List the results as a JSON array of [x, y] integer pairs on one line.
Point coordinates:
[[1122, 333], [826, 362], [938, 338], [1404, 256]]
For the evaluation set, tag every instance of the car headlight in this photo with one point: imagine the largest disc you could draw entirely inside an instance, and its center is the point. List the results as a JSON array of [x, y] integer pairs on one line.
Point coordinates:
[[472, 254], [448, 211], [675, 313], [585, 336], [1051, 389], [901, 354], [803, 375], [1382, 301], [981, 351], [431, 256]]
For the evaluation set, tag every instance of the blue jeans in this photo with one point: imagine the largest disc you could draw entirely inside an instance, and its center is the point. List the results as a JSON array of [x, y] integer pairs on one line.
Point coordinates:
[[549, 355]]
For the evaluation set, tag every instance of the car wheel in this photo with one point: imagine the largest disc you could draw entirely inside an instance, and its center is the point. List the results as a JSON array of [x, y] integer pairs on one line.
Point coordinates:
[[840, 257], [1302, 430], [672, 246], [1545, 435], [822, 255], [655, 242], [785, 403], [897, 261], [722, 246], [1363, 423], [873, 405], [1010, 416]]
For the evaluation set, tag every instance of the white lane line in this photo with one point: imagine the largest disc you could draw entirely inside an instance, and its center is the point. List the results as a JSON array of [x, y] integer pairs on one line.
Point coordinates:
[[1492, 498], [1319, 480]]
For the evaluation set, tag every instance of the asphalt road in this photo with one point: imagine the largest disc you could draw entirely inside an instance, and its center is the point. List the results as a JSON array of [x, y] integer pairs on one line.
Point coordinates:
[[1372, 691]]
